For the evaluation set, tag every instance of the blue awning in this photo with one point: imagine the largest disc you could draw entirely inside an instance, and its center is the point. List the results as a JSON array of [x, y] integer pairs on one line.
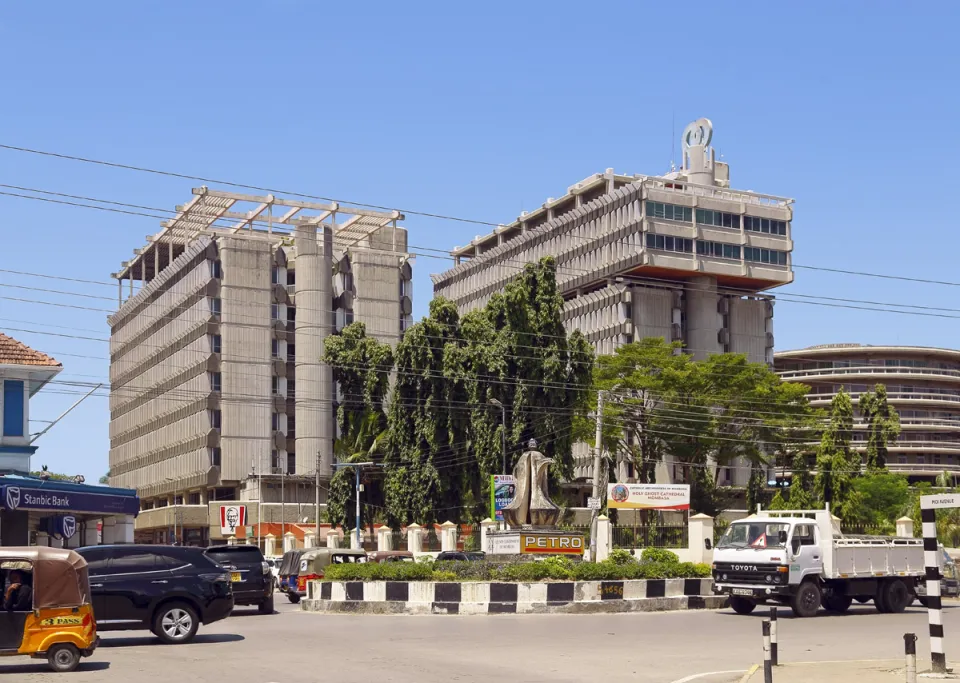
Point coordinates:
[[28, 493]]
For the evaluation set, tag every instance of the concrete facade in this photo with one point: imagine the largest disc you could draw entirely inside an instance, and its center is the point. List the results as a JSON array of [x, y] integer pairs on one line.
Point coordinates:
[[923, 384], [680, 256], [217, 388]]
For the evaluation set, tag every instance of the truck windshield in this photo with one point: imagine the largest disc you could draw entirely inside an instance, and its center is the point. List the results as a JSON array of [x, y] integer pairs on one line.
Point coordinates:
[[752, 535]]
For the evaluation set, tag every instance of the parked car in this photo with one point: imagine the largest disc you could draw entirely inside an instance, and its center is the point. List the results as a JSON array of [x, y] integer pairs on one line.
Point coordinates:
[[169, 590], [274, 563], [382, 556], [461, 556], [249, 574]]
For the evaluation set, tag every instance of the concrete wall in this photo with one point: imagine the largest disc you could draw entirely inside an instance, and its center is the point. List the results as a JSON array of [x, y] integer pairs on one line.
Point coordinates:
[[704, 321], [748, 328]]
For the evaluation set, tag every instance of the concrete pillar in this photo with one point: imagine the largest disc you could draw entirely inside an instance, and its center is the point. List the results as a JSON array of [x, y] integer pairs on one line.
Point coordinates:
[[333, 538], [448, 536], [270, 545], [704, 321], [415, 538], [310, 540], [905, 527], [485, 527], [43, 539], [384, 538], [109, 531], [355, 542], [289, 542], [700, 528], [604, 538]]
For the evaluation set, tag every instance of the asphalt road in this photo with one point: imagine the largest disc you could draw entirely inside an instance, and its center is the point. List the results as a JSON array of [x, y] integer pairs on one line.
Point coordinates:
[[666, 647]]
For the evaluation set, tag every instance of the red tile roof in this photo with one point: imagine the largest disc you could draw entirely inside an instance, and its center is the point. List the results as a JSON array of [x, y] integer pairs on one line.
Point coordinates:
[[13, 352]]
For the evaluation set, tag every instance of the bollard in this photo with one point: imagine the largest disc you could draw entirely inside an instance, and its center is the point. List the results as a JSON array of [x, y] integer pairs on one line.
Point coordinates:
[[773, 636], [767, 666], [910, 651]]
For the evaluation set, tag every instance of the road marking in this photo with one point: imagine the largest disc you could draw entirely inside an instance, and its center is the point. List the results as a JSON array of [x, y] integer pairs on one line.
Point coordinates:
[[749, 674], [709, 673]]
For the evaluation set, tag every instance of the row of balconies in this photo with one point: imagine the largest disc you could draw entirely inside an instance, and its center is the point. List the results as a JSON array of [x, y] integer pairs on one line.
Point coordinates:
[[869, 371]]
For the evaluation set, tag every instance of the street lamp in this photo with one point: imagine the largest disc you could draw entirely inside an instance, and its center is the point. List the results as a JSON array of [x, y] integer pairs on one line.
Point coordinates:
[[503, 434], [356, 469]]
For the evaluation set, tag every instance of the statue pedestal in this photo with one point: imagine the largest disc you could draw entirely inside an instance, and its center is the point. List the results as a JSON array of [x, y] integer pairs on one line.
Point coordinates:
[[531, 541]]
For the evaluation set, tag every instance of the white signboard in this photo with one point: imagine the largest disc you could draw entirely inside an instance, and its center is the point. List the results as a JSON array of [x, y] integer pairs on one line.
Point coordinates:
[[649, 496], [504, 544], [941, 500], [231, 518], [593, 503]]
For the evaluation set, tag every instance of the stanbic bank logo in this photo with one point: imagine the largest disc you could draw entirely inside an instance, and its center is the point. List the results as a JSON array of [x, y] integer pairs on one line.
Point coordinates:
[[13, 497]]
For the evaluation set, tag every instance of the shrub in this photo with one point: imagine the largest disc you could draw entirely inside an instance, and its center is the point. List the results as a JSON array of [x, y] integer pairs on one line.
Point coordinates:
[[621, 557], [443, 576], [659, 555]]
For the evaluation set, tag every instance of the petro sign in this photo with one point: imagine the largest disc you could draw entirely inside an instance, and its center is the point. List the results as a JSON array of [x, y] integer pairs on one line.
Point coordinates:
[[551, 544]]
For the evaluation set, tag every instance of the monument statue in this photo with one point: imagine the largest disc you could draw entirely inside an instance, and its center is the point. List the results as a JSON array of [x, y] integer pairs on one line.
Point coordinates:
[[531, 505]]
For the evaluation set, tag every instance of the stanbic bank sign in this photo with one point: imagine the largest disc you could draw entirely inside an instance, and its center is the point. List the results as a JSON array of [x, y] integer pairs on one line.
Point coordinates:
[[553, 544]]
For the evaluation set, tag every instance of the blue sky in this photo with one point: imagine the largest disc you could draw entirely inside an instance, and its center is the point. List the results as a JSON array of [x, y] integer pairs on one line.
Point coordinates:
[[481, 112]]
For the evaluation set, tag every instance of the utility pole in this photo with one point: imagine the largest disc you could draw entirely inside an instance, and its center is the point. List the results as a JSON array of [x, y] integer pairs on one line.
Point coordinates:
[[316, 513], [503, 434], [357, 466], [597, 464]]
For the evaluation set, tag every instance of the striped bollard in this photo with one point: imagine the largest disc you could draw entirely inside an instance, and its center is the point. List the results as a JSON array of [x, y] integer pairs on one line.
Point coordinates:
[[910, 652], [767, 665], [928, 515], [773, 636]]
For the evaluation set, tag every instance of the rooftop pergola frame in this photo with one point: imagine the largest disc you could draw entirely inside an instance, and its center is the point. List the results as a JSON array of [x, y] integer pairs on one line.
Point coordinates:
[[216, 212]]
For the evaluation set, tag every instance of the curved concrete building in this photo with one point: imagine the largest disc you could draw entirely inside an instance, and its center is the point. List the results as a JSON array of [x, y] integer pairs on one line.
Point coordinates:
[[923, 384]]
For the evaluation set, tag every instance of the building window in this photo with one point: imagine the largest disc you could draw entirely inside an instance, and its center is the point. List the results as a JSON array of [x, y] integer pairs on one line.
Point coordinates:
[[193, 498], [291, 314], [274, 460], [291, 463], [291, 389], [758, 255], [274, 311], [764, 225], [671, 212], [275, 348], [275, 422], [216, 305], [291, 277], [14, 408], [275, 275], [291, 351], [216, 343], [216, 418], [291, 426], [669, 243], [718, 219], [718, 249], [275, 385], [215, 456], [216, 381], [216, 270]]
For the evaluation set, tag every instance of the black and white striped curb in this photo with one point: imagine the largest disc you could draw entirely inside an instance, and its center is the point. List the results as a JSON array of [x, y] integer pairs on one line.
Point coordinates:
[[428, 597]]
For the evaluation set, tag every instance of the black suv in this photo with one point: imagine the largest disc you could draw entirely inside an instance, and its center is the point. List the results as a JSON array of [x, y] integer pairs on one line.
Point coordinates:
[[249, 572], [166, 589]]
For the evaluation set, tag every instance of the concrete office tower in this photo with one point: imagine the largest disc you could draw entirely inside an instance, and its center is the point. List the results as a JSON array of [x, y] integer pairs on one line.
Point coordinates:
[[923, 385], [681, 256], [217, 389]]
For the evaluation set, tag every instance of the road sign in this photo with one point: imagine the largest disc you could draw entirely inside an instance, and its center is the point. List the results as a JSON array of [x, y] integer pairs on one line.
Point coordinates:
[[941, 500], [593, 503]]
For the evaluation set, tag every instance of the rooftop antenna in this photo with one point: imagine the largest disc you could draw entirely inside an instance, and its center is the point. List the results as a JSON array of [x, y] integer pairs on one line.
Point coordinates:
[[673, 141]]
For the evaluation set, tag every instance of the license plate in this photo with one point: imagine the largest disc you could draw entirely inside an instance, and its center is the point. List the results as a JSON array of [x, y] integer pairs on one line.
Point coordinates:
[[235, 577], [741, 591]]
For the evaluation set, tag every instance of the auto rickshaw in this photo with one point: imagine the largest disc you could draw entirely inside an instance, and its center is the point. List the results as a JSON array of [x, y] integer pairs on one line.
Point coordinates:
[[46, 606], [313, 563], [287, 574]]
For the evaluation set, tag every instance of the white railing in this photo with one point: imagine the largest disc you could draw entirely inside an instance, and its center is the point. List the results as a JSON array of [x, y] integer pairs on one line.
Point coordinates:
[[869, 370], [896, 396]]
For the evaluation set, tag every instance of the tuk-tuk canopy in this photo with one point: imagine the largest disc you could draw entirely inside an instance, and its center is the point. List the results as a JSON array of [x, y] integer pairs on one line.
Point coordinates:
[[59, 575]]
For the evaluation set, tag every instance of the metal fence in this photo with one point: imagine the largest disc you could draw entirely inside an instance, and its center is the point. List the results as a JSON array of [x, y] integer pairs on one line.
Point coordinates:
[[651, 536], [431, 541], [468, 538], [398, 540], [578, 528], [854, 529]]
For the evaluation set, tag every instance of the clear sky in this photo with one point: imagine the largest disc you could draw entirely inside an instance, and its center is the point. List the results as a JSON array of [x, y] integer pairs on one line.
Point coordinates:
[[478, 111]]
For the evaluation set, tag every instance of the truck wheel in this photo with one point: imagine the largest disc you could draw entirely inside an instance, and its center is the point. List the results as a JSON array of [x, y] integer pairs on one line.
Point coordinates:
[[880, 599], [837, 603], [896, 596], [806, 601], [742, 605]]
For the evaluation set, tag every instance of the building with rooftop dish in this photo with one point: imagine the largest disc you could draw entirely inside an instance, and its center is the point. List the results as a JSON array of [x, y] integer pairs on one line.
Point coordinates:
[[923, 384], [217, 389], [683, 256]]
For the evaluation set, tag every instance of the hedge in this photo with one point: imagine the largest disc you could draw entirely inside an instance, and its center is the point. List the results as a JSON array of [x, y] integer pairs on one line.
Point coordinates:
[[617, 567]]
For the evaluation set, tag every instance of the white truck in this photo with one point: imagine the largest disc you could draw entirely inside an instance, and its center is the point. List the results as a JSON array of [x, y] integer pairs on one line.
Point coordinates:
[[800, 558]]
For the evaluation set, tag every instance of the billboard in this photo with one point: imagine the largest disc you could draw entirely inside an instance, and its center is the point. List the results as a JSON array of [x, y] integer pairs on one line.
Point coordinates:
[[648, 496], [502, 490], [233, 518]]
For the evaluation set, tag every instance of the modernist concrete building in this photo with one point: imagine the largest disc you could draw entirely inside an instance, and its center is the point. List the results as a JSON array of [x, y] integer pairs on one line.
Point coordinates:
[[217, 390], [923, 384], [681, 256]]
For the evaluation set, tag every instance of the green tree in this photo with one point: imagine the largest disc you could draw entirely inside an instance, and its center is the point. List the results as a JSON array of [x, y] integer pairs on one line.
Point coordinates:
[[837, 463], [105, 479], [883, 426], [877, 500], [361, 366]]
